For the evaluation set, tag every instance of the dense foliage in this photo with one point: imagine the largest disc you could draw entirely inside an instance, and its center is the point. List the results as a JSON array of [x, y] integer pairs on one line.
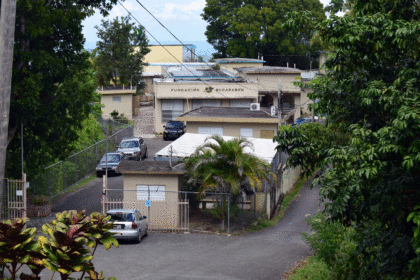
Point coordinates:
[[248, 28], [65, 248], [120, 52], [371, 92], [51, 87], [223, 166]]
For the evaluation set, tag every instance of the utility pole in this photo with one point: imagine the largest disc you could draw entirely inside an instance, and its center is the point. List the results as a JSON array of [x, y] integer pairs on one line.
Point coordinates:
[[7, 38], [279, 94], [310, 78]]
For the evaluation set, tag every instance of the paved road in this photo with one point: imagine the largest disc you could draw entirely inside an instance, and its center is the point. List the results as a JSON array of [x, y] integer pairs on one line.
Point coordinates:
[[89, 197], [263, 255]]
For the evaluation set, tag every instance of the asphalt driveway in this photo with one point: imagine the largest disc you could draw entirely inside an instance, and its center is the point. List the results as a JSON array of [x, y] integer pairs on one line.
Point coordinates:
[[262, 255], [89, 197]]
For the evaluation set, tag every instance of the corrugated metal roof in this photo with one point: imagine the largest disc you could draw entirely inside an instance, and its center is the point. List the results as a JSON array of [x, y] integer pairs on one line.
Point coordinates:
[[265, 149], [268, 70], [238, 60]]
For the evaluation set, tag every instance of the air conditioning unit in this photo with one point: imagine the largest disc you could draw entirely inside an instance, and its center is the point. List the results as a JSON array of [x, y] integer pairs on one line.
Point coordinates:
[[255, 106], [273, 111]]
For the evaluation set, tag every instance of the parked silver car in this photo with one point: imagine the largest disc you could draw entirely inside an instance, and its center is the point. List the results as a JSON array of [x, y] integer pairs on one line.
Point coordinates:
[[133, 148], [128, 224]]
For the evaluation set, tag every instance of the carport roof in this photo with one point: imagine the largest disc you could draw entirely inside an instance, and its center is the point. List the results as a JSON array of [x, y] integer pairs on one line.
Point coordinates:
[[149, 167], [227, 114], [185, 146]]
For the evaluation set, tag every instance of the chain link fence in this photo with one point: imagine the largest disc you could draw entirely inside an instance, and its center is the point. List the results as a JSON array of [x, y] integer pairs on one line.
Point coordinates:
[[64, 174]]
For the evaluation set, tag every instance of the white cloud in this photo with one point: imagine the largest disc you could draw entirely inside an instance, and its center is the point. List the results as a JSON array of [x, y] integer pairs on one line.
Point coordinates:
[[119, 11], [185, 12]]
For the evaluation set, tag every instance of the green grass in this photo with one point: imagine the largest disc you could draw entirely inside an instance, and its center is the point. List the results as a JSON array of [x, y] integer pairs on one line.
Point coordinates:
[[264, 222], [309, 268], [74, 188]]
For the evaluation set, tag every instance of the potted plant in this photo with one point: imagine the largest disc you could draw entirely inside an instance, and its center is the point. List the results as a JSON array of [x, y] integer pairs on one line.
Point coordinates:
[[39, 206]]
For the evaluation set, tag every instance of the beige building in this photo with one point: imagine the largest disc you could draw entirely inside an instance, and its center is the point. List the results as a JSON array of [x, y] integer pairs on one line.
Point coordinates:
[[235, 62], [119, 100], [230, 121], [185, 88], [270, 79], [170, 53], [158, 182]]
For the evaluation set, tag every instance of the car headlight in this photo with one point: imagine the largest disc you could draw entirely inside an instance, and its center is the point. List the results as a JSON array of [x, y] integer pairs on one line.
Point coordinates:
[[114, 167]]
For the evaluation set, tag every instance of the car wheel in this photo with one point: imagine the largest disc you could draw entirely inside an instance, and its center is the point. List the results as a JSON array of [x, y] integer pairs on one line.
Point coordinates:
[[98, 174], [145, 156], [164, 138], [147, 230]]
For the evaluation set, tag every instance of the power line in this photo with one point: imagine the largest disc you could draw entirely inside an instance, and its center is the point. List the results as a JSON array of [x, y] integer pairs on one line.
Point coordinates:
[[164, 47], [191, 50]]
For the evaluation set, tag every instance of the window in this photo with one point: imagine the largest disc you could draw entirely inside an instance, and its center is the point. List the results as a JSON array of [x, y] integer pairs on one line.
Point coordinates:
[[171, 109], [197, 103], [156, 192], [211, 130], [247, 132], [240, 103], [116, 99]]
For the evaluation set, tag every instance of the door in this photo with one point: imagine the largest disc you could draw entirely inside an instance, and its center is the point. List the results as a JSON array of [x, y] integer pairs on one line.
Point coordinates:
[[210, 130], [267, 134]]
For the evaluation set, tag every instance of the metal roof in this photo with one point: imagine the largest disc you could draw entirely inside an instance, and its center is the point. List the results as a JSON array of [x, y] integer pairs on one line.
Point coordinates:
[[268, 70], [238, 60], [227, 112], [185, 146]]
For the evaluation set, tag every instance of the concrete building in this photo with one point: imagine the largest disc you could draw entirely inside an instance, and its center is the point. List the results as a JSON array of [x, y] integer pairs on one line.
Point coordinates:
[[269, 78], [159, 183], [229, 121], [119, 100], [185, 88]]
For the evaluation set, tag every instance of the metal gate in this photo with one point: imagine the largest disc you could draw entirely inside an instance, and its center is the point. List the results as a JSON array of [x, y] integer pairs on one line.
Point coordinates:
[[14, 199], [170, 214]]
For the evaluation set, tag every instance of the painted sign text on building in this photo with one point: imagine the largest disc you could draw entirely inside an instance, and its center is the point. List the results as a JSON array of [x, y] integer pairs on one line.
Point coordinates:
[[196, 89]]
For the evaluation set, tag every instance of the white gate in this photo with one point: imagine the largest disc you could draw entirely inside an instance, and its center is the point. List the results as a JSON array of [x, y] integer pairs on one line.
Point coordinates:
[[171, 214], [14, 199]]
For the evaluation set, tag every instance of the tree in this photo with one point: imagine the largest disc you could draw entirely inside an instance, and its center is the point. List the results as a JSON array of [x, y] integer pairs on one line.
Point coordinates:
[[223, 166], [247, 29], [50, 92], [371, 91], [7, 27], [120, 53]]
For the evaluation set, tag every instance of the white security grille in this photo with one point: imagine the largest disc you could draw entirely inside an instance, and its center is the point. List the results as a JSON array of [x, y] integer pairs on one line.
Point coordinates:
[[240, 103], [197, 103]]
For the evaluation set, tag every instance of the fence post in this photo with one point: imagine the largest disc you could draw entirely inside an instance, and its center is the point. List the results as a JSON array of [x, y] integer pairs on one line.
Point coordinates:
[[62, 171], [255, 205], [75, 168], [48, 183], [24, 195], [87, 172], [228, 224]]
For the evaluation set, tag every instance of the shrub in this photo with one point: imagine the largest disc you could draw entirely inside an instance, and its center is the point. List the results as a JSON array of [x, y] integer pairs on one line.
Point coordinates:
[[41, 200], [335, 245], [65, 248]]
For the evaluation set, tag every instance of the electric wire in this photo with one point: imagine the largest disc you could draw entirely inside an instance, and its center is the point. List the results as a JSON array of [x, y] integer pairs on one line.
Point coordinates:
[[191, 50], [166, 48]]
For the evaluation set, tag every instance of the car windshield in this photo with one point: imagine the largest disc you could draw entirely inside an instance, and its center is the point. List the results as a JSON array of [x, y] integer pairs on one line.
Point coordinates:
[[111, 158], [129, 144], [174, 125], [121, 217]]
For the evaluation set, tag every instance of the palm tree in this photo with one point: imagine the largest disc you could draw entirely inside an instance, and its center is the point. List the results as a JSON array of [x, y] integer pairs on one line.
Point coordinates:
[[223, 166]]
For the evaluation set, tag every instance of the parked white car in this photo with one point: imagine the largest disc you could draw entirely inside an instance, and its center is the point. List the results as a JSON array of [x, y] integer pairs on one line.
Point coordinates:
[[129, 224]]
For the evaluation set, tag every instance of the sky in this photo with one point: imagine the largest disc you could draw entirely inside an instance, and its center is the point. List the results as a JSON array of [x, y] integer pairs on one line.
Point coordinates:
[[181, 17]]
